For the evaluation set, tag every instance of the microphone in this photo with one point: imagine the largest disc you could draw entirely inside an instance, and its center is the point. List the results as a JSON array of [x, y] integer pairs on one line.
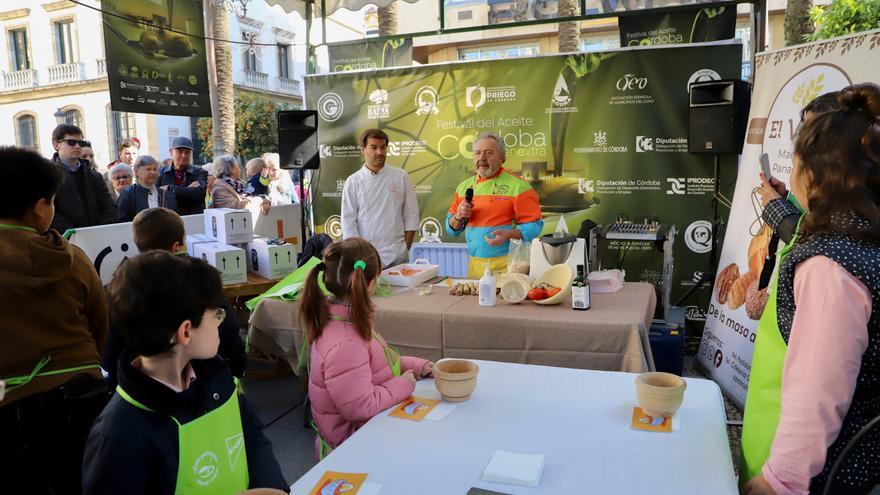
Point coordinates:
[[469, 197]]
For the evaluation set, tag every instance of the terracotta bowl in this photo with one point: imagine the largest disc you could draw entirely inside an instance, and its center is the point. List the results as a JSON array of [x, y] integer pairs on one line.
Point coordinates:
[[557, 276], [455, 379], [660, 394]]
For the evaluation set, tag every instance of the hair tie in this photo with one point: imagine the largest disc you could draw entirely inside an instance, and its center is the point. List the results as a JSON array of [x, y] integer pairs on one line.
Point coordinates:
[[360, 264], [321, 266]]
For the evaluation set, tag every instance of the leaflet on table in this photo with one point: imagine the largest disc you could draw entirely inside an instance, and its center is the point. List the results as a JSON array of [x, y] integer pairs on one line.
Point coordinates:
[[414, 408], [333, 483], [646, 422]]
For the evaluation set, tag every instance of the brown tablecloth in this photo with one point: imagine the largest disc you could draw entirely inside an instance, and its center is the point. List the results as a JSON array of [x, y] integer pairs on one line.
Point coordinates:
[[613, 335]]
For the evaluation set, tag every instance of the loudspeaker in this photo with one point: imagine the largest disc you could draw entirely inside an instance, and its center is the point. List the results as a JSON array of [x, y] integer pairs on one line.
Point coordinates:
[[717, 118], [298, 139]]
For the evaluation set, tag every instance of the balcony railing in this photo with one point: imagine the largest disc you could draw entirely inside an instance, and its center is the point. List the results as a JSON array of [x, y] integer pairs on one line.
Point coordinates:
[[256, 79], [63, 73], [20, 79], [286, 85], [102, 67]]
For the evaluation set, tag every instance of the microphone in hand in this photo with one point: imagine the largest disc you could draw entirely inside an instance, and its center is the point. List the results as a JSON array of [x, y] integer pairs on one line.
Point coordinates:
[[469, 197]]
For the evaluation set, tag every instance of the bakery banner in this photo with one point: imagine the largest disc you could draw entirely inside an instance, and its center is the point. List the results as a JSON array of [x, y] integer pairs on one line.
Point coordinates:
[[599, 136], [785, 81], [391, 52], [152, 66], [676, 27]]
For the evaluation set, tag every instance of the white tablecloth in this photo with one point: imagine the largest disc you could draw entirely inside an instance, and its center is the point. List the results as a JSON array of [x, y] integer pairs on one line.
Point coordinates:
[[579, 419]]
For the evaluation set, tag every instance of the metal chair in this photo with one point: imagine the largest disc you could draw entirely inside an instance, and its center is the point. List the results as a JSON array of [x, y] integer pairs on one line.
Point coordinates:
[[835, 469]]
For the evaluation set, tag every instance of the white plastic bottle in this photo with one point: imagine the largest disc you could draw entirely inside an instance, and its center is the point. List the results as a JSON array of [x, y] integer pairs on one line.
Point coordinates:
[[487, 288]]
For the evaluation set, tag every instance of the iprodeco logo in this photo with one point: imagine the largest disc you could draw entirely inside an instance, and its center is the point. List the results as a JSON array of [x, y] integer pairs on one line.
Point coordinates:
[[676, 185]]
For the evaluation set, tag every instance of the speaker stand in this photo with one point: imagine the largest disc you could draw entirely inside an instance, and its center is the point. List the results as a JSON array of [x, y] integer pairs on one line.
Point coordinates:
[[709, 276]]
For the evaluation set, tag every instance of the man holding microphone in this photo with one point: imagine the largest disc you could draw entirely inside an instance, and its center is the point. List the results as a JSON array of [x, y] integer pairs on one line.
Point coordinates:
[[503, 207]]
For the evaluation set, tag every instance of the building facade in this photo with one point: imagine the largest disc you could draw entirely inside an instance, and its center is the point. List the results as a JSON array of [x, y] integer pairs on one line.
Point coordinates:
[[53, 69]]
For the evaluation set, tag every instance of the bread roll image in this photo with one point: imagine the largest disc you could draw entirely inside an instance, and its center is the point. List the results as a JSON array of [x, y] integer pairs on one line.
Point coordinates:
[[724, 281], [738, 290], [758, 248], [756, 300]]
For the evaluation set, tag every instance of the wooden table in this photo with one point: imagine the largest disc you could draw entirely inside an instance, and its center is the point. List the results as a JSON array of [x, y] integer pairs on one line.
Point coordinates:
[[254, 286], [613, 335]]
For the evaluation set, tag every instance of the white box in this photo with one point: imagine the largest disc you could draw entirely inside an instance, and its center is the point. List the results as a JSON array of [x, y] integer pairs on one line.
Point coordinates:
[[425, 272], [228, 226], [193, 239], [229, 260], [282, 222], [270, 261]]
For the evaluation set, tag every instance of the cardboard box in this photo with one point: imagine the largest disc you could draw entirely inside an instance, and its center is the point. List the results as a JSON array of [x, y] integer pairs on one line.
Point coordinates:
[[229, 260], [228, 226], [282, 222], [192, 240], [270, 261]]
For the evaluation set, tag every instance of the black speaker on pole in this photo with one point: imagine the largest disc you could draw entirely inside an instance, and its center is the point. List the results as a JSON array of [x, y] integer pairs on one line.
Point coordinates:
[[717, 116], [298, 139]]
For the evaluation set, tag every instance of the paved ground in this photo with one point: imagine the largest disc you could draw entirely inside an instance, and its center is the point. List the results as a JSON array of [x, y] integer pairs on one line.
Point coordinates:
[[279, 402]]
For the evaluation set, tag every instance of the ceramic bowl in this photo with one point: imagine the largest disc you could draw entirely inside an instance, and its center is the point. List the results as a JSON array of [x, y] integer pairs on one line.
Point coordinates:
[[557, 276], [514, 291], [660, 394], [455, 379]]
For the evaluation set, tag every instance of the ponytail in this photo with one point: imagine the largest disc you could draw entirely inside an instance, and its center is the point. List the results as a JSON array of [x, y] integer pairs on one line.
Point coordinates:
[[362, 308], [349, 267], [314, 307]]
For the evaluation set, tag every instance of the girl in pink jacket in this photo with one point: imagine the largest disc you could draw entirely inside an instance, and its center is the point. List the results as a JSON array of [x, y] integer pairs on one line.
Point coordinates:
[[354, 374]]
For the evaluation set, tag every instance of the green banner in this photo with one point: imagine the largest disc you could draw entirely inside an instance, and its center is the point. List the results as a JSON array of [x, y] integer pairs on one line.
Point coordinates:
[[678, 26], [151, 66], [599, 136], [395, 52]]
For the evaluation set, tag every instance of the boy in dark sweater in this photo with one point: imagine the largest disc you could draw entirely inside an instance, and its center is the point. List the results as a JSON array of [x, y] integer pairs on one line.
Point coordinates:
[[161, 228], [178, 422]]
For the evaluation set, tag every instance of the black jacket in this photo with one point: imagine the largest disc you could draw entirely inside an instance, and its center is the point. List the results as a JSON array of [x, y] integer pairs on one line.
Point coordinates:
[[133, 451], [190, 200], [133, 199], [93, 207], [231, 346]]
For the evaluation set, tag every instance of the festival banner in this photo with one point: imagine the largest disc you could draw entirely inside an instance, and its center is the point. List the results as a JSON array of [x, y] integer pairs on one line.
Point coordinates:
[[394, 52], [599, 136], [675, 27], [785, 81], [151, 66]]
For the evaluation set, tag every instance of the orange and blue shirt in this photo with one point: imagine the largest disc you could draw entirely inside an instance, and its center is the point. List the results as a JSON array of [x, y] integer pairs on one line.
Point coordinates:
[[503, 201]]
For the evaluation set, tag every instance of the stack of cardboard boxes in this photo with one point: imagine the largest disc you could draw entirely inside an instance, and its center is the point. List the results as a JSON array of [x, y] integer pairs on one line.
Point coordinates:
[[240, 241]]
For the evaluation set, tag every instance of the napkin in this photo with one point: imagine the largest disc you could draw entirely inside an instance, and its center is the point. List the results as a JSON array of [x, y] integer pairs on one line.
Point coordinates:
[[606, 281], [515, 469]]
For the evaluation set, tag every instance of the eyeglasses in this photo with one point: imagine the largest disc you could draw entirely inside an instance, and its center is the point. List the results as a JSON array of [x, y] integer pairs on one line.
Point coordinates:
[[221, 315], [74, 142], [122, 177]]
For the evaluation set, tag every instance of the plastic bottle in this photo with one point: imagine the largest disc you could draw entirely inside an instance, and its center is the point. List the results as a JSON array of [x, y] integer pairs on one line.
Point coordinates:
[[487, 288], [580, 291]]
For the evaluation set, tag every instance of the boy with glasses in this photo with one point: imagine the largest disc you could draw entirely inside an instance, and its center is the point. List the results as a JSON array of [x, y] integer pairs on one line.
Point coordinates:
[[83, 199], [163, 229], [178, 422]]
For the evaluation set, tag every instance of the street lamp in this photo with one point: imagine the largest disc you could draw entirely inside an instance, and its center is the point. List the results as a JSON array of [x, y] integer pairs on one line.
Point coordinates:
[[60, 117]]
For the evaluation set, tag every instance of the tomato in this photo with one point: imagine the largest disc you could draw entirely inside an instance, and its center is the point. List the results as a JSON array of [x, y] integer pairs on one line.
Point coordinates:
[[537, 294], [552, 291]]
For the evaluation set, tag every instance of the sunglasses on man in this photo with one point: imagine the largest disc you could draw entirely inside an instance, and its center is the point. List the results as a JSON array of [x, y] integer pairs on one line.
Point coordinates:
[[73, 142]]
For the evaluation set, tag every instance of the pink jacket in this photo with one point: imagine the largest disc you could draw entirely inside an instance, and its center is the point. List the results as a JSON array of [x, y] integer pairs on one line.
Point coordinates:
[[350, 380]]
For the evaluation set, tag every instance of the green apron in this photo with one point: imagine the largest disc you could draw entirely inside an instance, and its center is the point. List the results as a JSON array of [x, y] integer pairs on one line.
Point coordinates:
[[392, 355], [764, 395], [212, 457]]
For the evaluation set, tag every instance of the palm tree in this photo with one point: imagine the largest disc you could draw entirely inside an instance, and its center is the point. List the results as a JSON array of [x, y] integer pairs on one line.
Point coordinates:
[[568, 32], [797, 22], [388, 19], [224, 131]]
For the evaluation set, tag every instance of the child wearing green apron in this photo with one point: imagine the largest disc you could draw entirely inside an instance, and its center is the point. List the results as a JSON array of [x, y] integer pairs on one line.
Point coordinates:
[[53, 324], [353, 374], [178, 422]]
